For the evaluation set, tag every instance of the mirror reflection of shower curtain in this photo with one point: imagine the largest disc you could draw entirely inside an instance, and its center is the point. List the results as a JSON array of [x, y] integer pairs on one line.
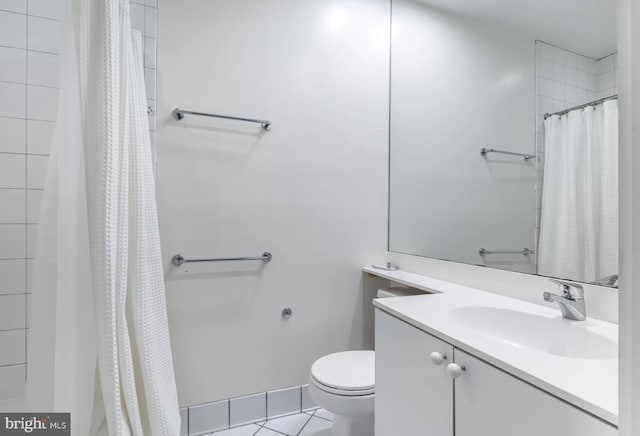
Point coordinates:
[[579, 216]]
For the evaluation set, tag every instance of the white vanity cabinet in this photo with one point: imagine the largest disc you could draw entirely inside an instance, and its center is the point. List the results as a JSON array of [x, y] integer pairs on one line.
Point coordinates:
[[414, 396]]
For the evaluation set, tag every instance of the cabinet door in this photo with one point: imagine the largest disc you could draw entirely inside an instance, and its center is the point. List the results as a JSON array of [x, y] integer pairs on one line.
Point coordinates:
[[490, 402], [413, 396]]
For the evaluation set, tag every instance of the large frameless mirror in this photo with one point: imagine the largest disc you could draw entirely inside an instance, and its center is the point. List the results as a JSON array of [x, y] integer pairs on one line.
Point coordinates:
[[504, 135]]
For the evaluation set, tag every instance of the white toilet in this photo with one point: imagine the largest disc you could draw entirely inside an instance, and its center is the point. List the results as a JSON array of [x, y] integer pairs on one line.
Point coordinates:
[[344, 384]]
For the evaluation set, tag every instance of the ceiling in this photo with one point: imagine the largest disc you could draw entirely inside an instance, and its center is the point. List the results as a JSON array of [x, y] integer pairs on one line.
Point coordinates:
[[587, 27]]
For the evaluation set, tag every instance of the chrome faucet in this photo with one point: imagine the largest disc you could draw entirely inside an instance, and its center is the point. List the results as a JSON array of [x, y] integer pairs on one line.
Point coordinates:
[[571, 301]]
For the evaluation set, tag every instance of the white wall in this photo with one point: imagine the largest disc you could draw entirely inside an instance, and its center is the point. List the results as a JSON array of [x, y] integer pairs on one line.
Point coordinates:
[[459, 85], [629, 82], [312, 191], [29, 46]]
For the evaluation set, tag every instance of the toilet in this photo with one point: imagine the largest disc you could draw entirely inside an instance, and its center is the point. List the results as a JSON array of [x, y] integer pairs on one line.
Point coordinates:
[[344, 384]]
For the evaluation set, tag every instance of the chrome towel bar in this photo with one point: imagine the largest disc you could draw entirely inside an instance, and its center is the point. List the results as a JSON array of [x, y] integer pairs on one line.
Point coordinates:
[[524, 252], [485, 151], [178, 260], [179, 114]]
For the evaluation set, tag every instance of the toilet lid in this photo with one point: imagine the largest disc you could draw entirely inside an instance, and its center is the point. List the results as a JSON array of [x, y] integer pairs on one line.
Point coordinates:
[[348, 370]]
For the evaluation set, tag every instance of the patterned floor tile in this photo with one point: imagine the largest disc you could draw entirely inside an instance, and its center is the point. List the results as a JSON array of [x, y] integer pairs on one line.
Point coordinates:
[[289, 425], [317, 427]]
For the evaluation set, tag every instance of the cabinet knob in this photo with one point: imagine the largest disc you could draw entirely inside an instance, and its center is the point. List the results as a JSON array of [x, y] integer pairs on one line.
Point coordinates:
[[437, 358], [454, 370]]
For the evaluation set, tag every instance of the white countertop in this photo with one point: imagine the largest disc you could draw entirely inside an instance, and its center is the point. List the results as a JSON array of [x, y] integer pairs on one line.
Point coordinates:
[[590, 384]]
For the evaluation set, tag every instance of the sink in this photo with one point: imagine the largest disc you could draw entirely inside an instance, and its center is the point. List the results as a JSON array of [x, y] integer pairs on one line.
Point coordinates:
[[555, 336]]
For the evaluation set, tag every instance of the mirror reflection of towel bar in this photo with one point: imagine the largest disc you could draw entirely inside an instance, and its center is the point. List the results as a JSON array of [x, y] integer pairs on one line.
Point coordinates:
[[178, 260], [485, 151], [524, 252]]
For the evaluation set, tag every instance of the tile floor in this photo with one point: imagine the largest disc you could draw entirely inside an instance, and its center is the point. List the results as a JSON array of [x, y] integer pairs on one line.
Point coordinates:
[[311, 423]]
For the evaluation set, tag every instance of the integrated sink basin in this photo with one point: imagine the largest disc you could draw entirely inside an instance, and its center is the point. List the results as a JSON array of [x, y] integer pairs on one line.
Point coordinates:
[[555, 335]]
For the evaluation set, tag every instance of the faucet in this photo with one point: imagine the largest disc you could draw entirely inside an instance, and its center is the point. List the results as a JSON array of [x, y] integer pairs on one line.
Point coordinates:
[[571, 301]]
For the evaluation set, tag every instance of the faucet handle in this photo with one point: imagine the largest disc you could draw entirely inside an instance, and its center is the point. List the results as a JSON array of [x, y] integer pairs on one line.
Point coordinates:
[[571, 290]]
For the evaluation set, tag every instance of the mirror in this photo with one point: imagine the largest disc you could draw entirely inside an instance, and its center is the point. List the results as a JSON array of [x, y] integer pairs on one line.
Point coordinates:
[[503, 135]]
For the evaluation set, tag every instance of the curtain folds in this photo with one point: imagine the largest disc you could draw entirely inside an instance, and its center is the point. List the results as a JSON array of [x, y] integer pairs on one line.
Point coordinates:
[[99, 345], [579, 213]]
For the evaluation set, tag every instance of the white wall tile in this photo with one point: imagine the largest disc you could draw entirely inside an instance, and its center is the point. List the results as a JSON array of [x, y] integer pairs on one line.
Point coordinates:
[[12, 381], [42, 69], [558, 90], [42, 103], [12, 344], [47, 8], [152, 3], [283, 401], [150, 22], [137, 17], [12, 100], [12, 276], [13, 237], [208, 417], [36, 171], [13, 63], [12, 313], [32, 238], [149, 52], [28, 311], [19, 6], [248, 409], [44, 35], [150, 83], [307, 402], [12, 135], [12, 206], [184, 421], [29, 275], [13, 30], [39, 136], [34, 201], [12, 171]]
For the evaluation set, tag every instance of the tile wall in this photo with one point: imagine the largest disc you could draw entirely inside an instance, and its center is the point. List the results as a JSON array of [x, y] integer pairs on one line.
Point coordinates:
[[29, 47], [237, 412], [563, 80]]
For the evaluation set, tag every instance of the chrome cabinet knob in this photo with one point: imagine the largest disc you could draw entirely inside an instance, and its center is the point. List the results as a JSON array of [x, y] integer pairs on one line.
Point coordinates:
[[437, 358], [454, 370]]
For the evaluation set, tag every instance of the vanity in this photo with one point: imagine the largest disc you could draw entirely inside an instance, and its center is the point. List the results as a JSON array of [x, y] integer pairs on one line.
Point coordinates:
[[464, 362]]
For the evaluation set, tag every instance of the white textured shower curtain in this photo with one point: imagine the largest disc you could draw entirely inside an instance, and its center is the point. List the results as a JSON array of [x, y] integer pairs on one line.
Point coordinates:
[[99, 343], [579, 216]]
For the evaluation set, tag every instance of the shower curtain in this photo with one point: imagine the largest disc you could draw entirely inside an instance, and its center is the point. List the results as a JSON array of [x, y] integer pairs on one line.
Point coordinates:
[[579, 216], [99, 342]]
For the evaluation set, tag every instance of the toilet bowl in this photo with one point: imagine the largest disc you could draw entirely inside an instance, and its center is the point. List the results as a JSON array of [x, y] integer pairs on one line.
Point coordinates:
[[344, 384]]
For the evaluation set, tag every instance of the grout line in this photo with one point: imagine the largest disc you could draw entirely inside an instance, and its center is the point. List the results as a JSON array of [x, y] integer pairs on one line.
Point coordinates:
[[13, 364], [26, 178], [305, 424], [29, 49], [32, 84]]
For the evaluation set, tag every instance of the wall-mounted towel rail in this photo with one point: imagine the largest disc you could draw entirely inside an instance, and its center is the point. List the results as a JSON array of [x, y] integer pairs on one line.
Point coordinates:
[[524, 251], [179, 114], [485, 151], [178, 260]]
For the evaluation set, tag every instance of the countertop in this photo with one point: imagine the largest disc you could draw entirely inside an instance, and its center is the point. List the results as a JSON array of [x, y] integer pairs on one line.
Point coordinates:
[[590, 384]]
